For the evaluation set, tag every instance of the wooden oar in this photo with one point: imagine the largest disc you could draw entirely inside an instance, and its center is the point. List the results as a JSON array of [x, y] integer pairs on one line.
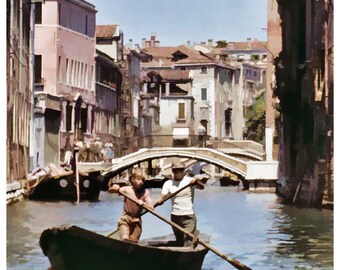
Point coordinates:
[[233, 262], [198, 182]]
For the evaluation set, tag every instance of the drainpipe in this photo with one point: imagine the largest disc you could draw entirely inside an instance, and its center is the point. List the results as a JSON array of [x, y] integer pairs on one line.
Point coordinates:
[[32, 148], [19, 95]]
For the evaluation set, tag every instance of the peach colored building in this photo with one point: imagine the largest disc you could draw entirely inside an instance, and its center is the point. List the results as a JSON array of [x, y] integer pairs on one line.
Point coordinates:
[[274, 46], [64, 76]]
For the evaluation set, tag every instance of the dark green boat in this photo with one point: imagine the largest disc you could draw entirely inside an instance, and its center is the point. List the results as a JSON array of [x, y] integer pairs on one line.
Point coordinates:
[[77, 248]]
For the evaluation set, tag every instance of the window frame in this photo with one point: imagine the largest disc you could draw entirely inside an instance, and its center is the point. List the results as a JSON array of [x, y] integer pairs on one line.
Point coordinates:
[[181, 110], [206, 94]]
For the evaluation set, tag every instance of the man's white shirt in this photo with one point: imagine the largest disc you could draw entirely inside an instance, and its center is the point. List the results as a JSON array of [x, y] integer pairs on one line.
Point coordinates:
[[182, 203]]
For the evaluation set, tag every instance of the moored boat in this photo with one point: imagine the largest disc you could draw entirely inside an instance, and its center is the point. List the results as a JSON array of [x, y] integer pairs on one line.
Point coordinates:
[[155, 182], [63, 187], [227, 181], [77, 248]]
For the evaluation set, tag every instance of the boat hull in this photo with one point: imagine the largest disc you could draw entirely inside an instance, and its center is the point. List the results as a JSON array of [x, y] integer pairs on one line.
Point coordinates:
[[76, 248], [64, 188], [227, 181]]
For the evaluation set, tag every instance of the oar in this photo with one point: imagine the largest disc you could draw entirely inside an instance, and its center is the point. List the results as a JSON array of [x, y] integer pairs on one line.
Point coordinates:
[[233, 262], [198, 183]]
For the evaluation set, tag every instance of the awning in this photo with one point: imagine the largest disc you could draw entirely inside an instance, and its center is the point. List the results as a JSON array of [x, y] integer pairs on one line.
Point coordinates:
[[180, 133]]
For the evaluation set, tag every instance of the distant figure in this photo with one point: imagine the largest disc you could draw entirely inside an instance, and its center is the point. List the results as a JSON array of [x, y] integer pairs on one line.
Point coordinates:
[[68, 157], [82, 151], [97, 147], [130, 222], [182, 203], [201, 131], [108, 152]]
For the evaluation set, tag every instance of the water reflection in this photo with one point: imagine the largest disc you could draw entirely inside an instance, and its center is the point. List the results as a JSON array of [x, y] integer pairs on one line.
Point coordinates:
[[306, 235], [255, 229]]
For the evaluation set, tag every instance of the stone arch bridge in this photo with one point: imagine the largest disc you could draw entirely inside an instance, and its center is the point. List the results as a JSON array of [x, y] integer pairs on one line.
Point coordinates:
[[245, 169]]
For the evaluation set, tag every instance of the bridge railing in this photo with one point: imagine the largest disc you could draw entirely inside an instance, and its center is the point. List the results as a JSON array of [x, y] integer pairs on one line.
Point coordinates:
[[169, 141]]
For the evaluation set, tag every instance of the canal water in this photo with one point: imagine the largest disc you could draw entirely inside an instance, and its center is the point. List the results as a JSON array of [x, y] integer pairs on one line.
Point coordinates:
[[254, 228]]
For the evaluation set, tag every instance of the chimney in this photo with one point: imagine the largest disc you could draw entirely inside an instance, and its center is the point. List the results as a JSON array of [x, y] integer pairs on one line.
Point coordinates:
[[143, 42], [130, 44], [137, 49], [210, 42], [152, 39], [248, 43], [202, 42], [157, 43], [230, 46], [188, 43]]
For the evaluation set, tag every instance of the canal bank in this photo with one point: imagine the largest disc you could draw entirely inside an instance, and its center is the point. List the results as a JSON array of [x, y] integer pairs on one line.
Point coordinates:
[[15, 192]]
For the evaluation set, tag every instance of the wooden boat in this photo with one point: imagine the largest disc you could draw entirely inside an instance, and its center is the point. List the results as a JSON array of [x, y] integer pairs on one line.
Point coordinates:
[[63, 187], [77, 248], [155, 182], [227, 181]]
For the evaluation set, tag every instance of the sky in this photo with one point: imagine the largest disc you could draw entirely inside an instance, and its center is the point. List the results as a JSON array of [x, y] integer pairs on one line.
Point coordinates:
[[177, 21]]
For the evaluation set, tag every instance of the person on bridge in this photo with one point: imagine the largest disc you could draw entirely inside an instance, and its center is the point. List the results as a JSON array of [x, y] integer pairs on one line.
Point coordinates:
[[182, 203], [130, 222], [201, 131]]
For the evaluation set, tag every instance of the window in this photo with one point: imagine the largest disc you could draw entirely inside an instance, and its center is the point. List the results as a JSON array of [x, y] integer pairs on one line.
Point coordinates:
[[37, 69], [72, 73], [92, 82], [69, 117], [67, 71], [181, 110], [183, 68], [86, 77], [60, 77], [203, 93], [255, 57], [38, 13], [81, 83], [204, 70], [255, 73], [227, 121], [83, 119]]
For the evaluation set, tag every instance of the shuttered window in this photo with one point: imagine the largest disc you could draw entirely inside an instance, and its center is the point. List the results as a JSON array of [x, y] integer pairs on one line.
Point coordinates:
[[203, 93], [181, 110]]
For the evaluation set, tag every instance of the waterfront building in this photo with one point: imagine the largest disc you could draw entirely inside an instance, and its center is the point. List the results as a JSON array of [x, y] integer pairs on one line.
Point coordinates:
[[133, 127], [64, 76], [19, 88], [169, 106], [213, 83], [107, 124], [304, 85]]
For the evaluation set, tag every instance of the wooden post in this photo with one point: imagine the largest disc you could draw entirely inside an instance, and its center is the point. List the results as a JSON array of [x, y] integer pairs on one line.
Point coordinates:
[[75, 171]]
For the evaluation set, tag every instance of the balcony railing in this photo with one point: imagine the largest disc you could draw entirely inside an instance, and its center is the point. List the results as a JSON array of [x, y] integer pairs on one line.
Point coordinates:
[[169, 141]]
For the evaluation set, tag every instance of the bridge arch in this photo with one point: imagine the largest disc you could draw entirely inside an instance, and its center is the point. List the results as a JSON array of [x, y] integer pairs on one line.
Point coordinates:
[[211, 156]]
